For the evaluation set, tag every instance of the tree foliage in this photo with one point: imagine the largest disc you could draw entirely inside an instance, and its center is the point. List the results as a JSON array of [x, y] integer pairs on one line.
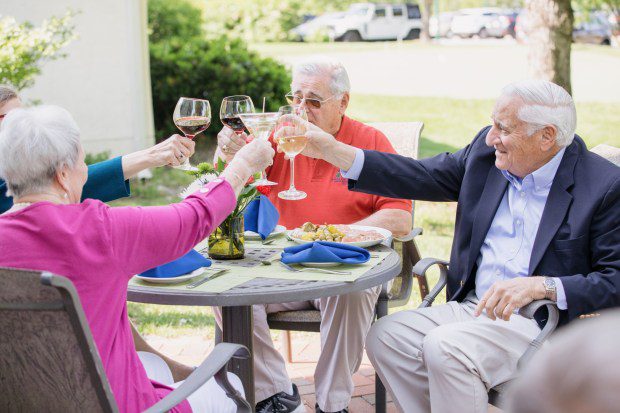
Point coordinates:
[[24, 47], [186, 64]]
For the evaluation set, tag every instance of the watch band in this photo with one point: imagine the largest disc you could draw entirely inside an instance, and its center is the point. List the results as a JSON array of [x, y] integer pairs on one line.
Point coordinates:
[[550, 288]]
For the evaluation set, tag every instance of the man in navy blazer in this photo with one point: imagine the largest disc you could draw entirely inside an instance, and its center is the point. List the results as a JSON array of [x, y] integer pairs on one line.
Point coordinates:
[[537, 217]]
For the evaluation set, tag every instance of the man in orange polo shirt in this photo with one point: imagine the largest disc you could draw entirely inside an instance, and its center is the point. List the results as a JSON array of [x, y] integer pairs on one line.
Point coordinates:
[[322, 88]]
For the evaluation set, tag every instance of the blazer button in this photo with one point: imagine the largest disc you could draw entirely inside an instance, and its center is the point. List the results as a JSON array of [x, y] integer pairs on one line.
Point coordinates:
[[462, 283]]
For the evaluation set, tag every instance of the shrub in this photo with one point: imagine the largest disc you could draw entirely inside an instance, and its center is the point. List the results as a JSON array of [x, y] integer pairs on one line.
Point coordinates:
[[205, 68]]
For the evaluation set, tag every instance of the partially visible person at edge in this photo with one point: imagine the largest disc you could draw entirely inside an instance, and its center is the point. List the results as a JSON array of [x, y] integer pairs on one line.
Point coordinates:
[[109, 180], [322, 88], [42, 161]]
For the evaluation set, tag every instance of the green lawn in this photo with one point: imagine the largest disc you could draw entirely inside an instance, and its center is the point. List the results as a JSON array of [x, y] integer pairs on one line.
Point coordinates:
[[449, 125]]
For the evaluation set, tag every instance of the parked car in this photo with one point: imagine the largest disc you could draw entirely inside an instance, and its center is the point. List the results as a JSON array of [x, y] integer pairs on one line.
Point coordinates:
[[472, 22], [502, 24], [366, 21], [595, 29], [439, 26]]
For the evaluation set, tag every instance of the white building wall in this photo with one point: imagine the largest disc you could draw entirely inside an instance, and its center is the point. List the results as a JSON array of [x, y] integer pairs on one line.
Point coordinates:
[[104, 81]]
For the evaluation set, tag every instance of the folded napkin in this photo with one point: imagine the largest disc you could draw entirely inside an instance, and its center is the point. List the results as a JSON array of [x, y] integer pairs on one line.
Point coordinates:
[[261, 216], [322, 251], [181, 266]]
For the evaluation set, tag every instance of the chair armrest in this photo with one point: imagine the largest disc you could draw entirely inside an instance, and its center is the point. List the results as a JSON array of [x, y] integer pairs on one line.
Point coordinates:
[[409, 237], [214, 365], [528, 311], [420, 269]]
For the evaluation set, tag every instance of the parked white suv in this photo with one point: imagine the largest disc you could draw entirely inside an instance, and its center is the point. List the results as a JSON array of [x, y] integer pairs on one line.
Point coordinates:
[[367, 21], [471, 22]]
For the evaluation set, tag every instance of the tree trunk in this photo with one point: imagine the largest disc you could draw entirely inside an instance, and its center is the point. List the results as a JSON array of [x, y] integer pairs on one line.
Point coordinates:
[[427, 12], [550, 37]]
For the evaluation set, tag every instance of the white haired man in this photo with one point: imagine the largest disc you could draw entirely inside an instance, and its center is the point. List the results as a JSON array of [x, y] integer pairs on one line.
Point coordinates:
[[322, 87], [537, 218]]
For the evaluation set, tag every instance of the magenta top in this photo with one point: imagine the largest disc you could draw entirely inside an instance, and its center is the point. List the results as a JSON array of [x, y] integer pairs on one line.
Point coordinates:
[[99, 249]]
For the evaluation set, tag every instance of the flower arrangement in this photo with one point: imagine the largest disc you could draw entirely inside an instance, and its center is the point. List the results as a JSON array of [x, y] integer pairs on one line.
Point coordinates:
[[227, 241]]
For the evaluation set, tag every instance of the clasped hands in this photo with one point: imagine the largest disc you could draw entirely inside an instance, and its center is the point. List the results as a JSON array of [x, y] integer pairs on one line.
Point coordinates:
[[504, 297]]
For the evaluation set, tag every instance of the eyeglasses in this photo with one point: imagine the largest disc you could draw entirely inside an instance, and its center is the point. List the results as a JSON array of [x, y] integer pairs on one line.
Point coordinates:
[[294, 99]]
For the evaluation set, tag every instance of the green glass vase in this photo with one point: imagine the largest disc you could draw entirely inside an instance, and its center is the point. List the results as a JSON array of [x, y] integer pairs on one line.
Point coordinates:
[[227, 241]]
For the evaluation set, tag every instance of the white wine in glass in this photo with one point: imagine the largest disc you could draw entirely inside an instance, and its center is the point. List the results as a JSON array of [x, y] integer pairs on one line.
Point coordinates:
[[260, 125], [291, 136]]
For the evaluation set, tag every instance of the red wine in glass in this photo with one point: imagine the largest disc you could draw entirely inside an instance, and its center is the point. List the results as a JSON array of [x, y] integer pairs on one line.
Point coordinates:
[[234, 123], [191, 116], [192, 125], [230, 109]]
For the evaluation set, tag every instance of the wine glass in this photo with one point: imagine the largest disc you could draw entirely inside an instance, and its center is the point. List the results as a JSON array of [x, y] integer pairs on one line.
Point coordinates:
[[230, 109], [191, 116], [260, 125], [291, 135]]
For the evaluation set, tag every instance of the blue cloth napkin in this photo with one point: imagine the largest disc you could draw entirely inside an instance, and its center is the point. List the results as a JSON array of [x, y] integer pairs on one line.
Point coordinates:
[[261, 216], [181, 266], [322, 251]]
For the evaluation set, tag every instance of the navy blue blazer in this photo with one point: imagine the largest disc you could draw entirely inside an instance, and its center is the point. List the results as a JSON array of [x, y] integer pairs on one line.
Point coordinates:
[[105, 182], [578, 238]]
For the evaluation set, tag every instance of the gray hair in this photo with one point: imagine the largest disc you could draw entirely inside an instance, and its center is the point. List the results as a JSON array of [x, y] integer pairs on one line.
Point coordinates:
[[545, 104], [339, 83], [34, 144], [7, 93]]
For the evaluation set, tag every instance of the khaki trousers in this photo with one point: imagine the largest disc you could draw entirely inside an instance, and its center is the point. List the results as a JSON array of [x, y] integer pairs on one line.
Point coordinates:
[[445, 359], [345, 321]]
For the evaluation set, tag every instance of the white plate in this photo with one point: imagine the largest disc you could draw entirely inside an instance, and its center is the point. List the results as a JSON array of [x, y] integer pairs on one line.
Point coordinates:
[[254, 236], [173, 280], [363, 244]]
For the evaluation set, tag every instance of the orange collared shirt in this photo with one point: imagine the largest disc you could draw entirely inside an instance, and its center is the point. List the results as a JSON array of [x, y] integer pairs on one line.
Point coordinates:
[[329, 199]]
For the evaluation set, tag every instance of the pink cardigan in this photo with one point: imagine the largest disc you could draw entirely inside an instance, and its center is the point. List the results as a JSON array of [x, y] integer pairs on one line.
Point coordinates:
[[99, 249]]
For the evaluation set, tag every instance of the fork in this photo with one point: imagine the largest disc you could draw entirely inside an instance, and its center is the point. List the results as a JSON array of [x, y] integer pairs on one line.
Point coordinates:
[[288, 267]]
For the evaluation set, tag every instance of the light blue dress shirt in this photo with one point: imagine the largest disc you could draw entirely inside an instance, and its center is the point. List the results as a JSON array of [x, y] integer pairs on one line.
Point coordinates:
[[507, 248]]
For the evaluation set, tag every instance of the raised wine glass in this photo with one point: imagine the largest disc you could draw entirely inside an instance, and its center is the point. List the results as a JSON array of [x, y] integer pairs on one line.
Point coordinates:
[[230, 109], [291, 135], [260, 125], [191, 116]]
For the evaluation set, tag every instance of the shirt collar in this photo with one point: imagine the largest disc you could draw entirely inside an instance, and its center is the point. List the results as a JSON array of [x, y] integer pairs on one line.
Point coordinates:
[[343, 135], [543, 176]]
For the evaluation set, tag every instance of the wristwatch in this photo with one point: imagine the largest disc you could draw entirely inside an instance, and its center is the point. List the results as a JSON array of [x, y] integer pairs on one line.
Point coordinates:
[[550, 289]]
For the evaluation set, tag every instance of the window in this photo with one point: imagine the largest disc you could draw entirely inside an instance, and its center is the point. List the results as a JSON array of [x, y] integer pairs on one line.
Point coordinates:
[[397, 11], [413, 11], [379, 12]]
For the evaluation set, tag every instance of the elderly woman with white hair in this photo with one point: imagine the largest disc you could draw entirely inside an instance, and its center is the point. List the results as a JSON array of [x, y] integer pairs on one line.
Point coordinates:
[[108, 180], [537, 218], [99, 248]]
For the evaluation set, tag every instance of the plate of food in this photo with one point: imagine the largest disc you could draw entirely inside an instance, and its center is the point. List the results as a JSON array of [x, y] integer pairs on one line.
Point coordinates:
[[255, 236], [356, 235], [173, 280]]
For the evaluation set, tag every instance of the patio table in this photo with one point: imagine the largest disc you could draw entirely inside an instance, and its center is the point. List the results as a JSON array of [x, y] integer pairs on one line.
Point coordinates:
[[236, 302]]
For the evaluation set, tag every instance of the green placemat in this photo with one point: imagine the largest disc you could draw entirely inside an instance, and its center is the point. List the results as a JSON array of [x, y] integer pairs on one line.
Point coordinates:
[[219, 284]]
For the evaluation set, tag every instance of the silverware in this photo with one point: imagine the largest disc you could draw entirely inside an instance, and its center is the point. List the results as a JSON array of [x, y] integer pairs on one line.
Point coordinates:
[[268, 241], [268, 261], [288, 267], [207, 278]]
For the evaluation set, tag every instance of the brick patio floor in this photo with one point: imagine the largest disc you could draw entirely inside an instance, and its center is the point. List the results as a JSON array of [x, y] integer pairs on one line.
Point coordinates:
[[306, 346]]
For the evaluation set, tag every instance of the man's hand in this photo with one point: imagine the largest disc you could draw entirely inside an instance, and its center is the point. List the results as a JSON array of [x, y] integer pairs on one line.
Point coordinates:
[[229, 143], [504, 297]]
